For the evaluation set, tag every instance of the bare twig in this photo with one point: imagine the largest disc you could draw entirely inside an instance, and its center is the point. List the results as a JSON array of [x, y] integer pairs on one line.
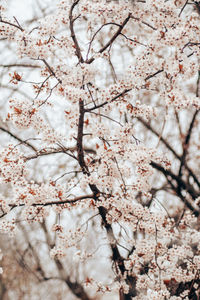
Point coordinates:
[[51, 70], [186, 2], [61, 202], [113, 38], [20, 65], [94, 35], [19, 139], [11, 24]]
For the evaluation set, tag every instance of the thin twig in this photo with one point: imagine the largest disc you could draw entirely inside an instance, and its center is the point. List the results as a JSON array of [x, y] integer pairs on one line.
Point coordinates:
[[18, 139], [113, 38]]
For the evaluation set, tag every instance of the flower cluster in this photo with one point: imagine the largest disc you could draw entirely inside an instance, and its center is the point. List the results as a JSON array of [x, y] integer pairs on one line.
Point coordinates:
[[12, 164], [65, 241], [25, 115]]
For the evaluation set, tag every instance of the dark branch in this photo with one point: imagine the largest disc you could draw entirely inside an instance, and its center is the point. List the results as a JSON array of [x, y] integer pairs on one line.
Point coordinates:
[[20, 65], [186, 143], [11, 24], [18, 139], [109, 43], [73, 35], [51, 70], [180, 186], [62, 202]]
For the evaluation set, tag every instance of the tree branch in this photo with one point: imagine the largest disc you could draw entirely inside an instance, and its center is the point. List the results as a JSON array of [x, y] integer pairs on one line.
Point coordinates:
[[191, 173], [62, 202], [181, 185], [109, 43], [19, 139], [20, 65], [73, 35], [11, 24], [186, 143]]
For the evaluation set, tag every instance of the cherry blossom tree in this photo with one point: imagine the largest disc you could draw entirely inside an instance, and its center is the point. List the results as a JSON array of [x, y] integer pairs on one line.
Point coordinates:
[[99, 161]]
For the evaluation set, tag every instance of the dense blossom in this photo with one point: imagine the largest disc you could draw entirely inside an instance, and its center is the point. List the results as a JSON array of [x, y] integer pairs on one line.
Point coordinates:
[[108, 169]]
